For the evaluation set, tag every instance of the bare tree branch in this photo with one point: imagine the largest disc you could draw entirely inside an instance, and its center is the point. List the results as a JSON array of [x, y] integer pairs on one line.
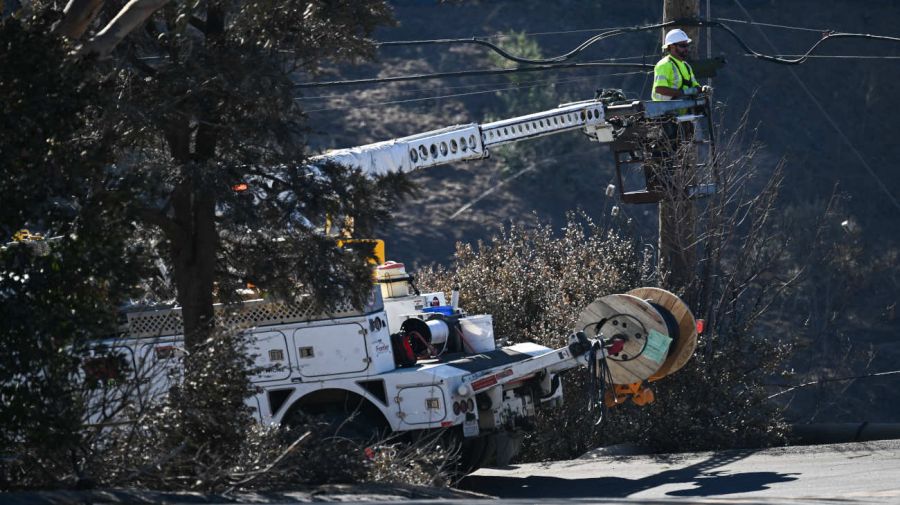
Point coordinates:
[[130, 17], [77, 16], [250, 476]]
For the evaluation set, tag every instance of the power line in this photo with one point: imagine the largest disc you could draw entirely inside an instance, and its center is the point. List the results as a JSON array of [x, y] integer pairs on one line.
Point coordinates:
[[802, 58], [422, 99], [772, 25], [612, 28], [533, 34], [561, 32], [834, 379], [828, 118], [469, 73], [503, 182], [477, 85], [715, 23], [842, 56], [526, 61], [417, 90], [544, 82], [555, 63]]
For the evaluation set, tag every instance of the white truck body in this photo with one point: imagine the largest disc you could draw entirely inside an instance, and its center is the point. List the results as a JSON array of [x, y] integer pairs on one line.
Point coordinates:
[[350, 351]]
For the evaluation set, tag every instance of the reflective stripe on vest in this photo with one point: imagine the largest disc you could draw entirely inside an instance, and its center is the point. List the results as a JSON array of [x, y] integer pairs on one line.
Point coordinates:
[[680, 78]]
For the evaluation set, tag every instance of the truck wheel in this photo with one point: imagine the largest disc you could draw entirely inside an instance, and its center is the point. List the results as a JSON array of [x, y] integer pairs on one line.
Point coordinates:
[[471, 452], [487, 450], [508, 446], [339, 443], [475, 453], [355, 422]]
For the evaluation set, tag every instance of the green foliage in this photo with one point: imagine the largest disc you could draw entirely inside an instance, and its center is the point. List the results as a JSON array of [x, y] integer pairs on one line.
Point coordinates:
[[201, 98], [312, 30], [55, 294], [530, 97], [215, 108], [530, 279]]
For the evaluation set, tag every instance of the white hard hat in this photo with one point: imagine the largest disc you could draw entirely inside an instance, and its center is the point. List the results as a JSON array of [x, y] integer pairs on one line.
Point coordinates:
[[675, 36]]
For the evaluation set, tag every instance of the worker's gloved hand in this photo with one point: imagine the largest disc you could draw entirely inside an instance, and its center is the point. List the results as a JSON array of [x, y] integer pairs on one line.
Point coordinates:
[[706, 90], [690, 92]]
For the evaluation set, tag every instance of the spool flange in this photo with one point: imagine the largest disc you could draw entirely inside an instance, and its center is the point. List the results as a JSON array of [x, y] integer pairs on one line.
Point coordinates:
[[641, 328]]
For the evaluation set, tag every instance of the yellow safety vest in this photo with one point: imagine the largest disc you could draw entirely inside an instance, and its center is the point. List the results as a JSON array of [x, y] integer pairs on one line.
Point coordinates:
[[672, 73]]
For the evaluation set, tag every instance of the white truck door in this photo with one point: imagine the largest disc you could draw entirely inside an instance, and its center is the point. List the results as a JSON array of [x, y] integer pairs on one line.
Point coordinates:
[[270, 353], [421, 404], [331, 350]]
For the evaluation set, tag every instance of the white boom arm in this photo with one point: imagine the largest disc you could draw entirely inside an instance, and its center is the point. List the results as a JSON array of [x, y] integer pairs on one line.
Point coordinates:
[[473, 141]]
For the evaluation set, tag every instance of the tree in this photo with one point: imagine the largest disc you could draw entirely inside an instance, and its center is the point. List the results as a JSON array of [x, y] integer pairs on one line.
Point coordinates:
[[177, 142], [54, 178], [207, 127]]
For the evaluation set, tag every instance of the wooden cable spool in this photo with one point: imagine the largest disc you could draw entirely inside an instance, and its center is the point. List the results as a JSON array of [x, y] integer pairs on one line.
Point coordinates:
[[685, 342], [638, 325]]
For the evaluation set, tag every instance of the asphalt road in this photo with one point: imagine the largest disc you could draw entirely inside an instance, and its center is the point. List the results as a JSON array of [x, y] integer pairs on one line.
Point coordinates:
[[845, 474], [867, 472]]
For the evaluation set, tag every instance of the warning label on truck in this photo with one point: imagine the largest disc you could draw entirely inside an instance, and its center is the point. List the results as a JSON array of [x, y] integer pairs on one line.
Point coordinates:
[[657, 346]]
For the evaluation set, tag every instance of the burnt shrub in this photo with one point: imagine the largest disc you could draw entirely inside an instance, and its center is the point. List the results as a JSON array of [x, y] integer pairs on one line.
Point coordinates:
[[535, 283]]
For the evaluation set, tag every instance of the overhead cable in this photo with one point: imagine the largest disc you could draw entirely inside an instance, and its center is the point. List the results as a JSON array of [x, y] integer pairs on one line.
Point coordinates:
[[785, 61], [483, 84], [709, 23], [842, 56], [834, 124], [468, 73], [526, 61], [561, 32], [834, 379], [557, 62], [772, 25], [533, 84]]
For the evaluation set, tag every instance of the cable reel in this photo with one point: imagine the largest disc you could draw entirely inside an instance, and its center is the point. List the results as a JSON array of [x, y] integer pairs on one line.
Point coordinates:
[[677, 314], [649, 333]]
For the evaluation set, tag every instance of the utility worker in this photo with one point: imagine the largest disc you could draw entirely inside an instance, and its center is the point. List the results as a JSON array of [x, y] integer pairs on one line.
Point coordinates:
[[673, 77]]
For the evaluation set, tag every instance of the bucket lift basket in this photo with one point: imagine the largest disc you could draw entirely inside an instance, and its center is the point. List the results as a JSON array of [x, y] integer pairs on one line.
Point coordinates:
[[666, 153]]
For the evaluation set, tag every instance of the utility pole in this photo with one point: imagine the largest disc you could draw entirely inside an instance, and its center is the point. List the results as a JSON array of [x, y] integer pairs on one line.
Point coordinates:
[[676, 216]]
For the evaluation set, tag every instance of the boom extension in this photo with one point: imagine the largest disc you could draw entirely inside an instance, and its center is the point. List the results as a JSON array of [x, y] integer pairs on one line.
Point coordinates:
[[600, 119]]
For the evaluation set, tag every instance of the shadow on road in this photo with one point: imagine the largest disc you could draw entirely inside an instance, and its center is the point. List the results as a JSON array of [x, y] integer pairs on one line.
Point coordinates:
[[702, 475]]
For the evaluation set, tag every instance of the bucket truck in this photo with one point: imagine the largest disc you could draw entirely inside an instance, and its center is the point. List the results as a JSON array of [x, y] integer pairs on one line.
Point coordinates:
[[410, 362]]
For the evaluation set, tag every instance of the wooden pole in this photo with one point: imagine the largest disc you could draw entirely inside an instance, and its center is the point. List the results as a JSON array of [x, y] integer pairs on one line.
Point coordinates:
[[676, 216]]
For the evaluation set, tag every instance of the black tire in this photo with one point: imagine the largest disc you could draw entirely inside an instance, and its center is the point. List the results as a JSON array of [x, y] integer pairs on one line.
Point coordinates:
[[355, 420], [341, 438], [475, 453], [490, 452]]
